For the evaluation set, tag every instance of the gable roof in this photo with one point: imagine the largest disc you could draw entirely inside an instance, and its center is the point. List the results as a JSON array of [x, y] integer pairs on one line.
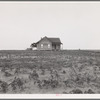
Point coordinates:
[[53, 40]]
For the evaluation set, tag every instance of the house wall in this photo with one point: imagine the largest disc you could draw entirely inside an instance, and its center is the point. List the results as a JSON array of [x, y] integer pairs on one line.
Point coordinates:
[[44, 44], [56, 47]]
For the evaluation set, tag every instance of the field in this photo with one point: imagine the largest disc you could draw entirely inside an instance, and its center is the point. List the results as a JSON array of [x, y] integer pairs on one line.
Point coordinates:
[[50, 72]]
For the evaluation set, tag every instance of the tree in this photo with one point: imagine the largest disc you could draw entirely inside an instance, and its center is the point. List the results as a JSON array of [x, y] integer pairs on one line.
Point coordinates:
[[33, 45]]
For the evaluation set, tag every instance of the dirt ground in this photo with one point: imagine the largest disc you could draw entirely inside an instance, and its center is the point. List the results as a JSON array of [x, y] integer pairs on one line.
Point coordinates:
[[50, 72]]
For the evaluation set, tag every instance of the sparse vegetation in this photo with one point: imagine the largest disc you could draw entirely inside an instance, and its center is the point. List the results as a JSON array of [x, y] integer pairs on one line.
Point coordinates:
[[50, 71]]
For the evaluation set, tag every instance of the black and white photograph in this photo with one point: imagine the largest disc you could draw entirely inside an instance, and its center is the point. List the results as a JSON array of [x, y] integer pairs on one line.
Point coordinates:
[[49, 47]]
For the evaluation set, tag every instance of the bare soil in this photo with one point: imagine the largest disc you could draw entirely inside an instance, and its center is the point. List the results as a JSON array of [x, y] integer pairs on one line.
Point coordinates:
[[50, 72]]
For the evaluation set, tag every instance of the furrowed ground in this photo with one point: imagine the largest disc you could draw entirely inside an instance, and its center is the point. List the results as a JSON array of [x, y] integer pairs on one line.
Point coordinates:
[[66, 71]]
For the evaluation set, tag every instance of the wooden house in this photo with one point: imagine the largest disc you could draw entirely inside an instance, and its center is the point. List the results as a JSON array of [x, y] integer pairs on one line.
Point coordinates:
[[47, 43]]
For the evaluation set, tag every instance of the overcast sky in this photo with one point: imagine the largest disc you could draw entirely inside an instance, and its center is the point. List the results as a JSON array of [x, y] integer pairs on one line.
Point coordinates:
[[76, 24]]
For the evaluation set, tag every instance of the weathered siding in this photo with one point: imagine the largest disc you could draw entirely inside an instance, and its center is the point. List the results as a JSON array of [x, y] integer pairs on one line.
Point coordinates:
[[56, 47], [44, 44]]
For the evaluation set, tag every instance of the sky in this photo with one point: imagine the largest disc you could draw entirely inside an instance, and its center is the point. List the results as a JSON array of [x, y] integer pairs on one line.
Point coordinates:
[[77, 24]]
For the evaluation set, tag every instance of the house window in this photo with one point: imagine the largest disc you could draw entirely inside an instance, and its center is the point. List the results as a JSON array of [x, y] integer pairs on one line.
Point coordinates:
[[41, 45], [48, 45]]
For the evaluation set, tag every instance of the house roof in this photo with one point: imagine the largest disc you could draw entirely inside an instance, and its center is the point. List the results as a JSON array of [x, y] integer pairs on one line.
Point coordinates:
[[53, 40]]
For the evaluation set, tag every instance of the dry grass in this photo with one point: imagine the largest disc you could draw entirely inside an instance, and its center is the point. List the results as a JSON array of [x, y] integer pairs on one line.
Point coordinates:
[[68, 71]]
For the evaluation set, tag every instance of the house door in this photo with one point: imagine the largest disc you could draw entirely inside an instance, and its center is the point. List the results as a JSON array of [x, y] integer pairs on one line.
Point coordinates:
[[55, 47]]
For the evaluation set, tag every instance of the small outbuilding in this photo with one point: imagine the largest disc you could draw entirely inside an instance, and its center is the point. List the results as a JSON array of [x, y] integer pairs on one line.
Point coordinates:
[[47, 43]]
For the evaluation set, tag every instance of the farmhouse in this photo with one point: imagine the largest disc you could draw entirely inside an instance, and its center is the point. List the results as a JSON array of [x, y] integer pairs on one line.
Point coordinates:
[[47, 43]]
